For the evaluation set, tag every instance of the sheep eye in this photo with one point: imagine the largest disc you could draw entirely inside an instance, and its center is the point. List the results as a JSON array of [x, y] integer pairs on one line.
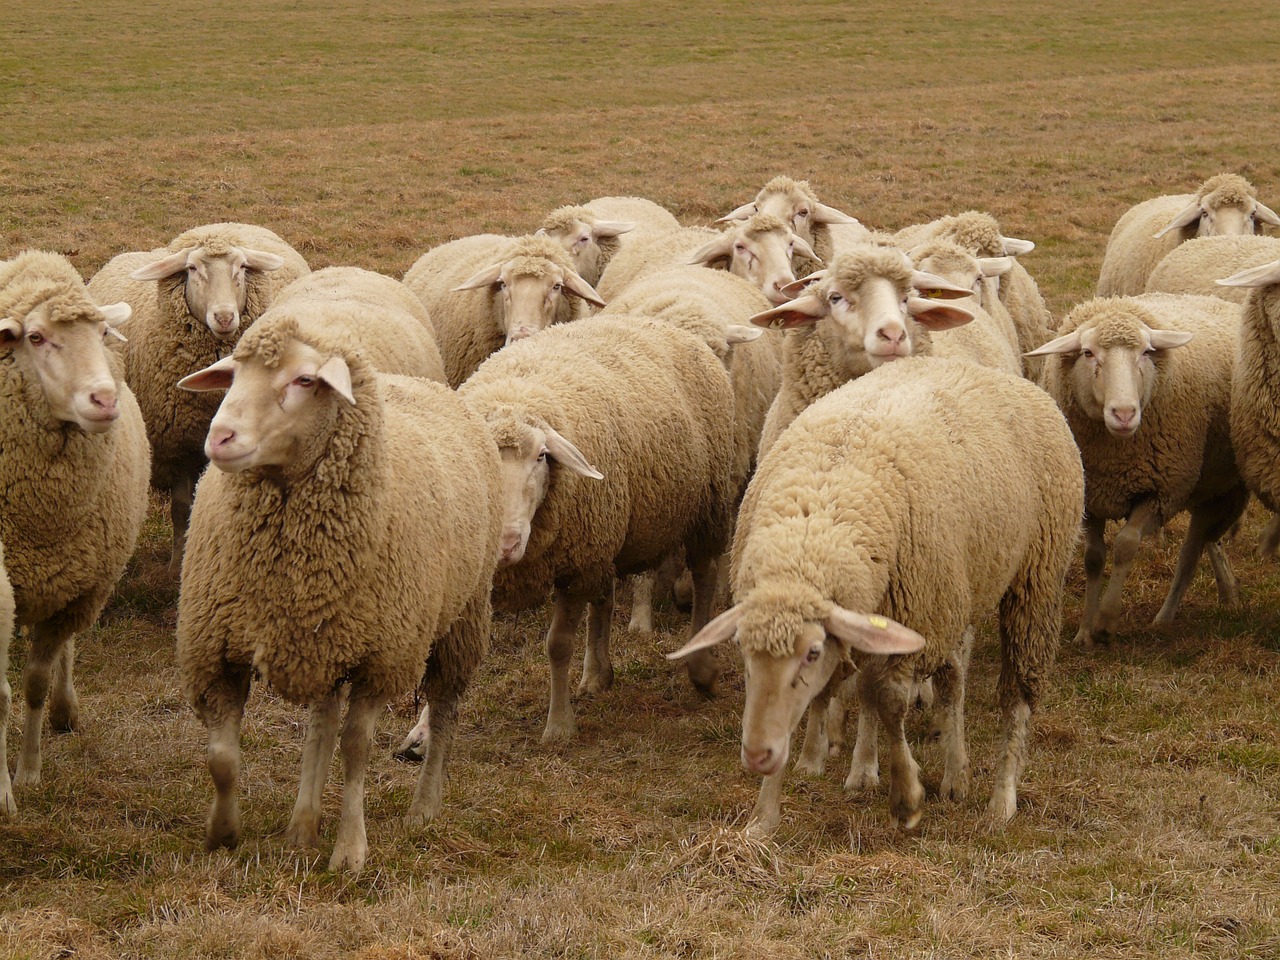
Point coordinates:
[[542, 457], [304, 381], [802, 213], [834, 298], [35, 339], [1087, 353], [813, 655], [557, 287], [739, 248]]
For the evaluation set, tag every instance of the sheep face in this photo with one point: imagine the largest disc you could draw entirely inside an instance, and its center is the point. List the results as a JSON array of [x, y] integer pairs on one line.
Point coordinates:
[[582, 240], [215, 283], [275, 416], [953, 264], [66, 354], [760, 251], [793, 203], [528, 292]]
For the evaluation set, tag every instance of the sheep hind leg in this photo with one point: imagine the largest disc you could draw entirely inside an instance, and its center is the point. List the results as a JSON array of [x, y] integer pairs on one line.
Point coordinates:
[[703, 667], [317, 753], [352, 845], [222, 710], [1095, 561], [1269, 543], [566, 614], [1209, 523], [906, 792], [642, 602], [181, 496], [46, 648], [864, 762], [949, 683], [1143, 520], [64, 704], [8, 807], [597, 663]]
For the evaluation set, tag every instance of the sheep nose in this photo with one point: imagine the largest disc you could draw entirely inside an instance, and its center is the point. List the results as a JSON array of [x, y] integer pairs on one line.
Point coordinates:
[[758, 760], [520, 333], [1124, 415], [893, 333], [225, 320], [219, 437], [510, 544], [105, 401]]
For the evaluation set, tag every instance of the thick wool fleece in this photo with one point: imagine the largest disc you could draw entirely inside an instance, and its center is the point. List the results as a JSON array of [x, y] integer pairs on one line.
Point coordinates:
[[1133, 250], [352, 564], [73, 501], [655, 250], [1181, 455], [1195, 266], [469, 323], [166, 343], [651, 408], [645, 214], [914, 492], [1255, 395]]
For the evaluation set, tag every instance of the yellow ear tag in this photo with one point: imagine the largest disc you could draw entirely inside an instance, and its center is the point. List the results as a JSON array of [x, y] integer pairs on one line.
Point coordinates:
[[934, 294], [879, 622]]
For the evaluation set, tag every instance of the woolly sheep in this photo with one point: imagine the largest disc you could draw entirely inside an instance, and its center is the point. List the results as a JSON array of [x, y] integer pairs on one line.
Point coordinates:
[[594, 232], [190, 303], [860, 315], [1197, 265], [486, 291], [759, 249], [867, 541], [825, 229], [1224, 205], [7, 807], [73, 478], [331, 550], [1145, 384]]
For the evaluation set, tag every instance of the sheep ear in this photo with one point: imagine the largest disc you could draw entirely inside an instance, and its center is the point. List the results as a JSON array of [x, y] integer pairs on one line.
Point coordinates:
[[1013, 247], [935, 315], [611, 228], [116, 313], [797, 287], [575, 285], [721, 248], [995, 266], [164, 267], [801, 247], [795, 313], [261, 261], [744, 212], [216, 376], [935, 288], [1168, 339], [1188, 216], [10, 331], [821, 213], [871, 634], [485, 278], [1262, 276], [570, 457], [337, 375], [736, 333], [1067, 343], [1266, 214], [718, 630]]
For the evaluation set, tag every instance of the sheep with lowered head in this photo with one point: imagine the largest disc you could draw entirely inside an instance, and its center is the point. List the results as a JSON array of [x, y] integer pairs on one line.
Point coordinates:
[[332, 555], [825, 229], [594, 232], [190, 304], [1145, 384], [73, 477], [868, 541], [1199, 265], [486, 291], [1224, 205]]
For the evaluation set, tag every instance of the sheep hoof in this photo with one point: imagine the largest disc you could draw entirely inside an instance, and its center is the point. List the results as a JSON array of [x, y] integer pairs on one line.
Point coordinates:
[[348, 858], [862, 778], [26, 777], [954, 787], [8, 808], [640, 624], [909, 822], [760, 829], [220, 835], [413, 750], [594, 684], [303, 832], [559, 730], [1003, 805], [64, 717], [811, 766]]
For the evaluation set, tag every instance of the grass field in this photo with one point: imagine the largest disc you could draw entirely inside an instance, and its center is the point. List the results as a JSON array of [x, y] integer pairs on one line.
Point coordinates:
[[364, 133]]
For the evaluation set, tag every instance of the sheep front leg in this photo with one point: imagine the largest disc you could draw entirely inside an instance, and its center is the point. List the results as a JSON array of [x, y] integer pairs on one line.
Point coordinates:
[[1095, 560], [812, 761], [47, 644], [642, 602], [565, 617], [864, 763], [352, 846], [181, 495], [703, 667], [906, 793], [597, 665], [767, 813], [1143, 520], [949, 684], [64, 704], [8, 807], [222, 710], [317, 752]]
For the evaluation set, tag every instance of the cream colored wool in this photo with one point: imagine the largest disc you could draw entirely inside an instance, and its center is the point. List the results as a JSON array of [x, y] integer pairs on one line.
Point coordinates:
[[469, 325], [1255, 397], [1133, 250], [1197, 265], [565, 222]]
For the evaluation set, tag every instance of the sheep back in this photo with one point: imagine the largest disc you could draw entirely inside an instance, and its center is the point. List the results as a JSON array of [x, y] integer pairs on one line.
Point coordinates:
[[1255, 396], [1194, 266]]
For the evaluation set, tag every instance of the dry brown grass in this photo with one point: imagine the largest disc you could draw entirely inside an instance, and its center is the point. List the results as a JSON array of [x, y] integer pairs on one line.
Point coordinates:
[[366, 133]]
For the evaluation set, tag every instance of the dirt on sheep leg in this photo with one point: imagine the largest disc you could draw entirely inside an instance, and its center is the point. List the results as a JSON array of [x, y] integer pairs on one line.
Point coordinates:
[[64, 705], [46, 648], [317, 752], [597, 666], [949, 685]]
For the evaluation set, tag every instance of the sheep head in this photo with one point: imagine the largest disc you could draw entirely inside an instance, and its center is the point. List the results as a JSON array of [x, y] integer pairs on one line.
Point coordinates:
[[760, 250], [590, 241], [794, 203], [216, 281], [1224, 205]]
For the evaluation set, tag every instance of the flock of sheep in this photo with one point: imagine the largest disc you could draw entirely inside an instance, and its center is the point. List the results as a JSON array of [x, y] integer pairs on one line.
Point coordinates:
[[886, 433]]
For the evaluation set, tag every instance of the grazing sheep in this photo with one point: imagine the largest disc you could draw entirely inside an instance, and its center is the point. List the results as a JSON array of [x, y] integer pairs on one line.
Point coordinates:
[[190, 303], [73, 478], [759, 249], [860, 315], [333, 554], [1224, 205], [594, 232], [825, 229], [1255, 390], [1197, 265], [7, 807], [486, 291], [1145, 384], [868, 541]]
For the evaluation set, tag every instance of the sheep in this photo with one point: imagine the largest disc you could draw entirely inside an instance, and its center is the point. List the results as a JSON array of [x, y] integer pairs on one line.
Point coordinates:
[[7, 806], [73, 478], [1255, 384], [332, 555], [860, 315], [1224, 205], [868, 541], [190, 303], [486, 291], [593, 232], [825, 229], [616, 442], [1197, 265], [1145, 384], [759, 249]]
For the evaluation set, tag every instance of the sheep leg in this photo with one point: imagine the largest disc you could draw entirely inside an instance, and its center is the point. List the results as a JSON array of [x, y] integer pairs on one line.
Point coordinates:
[[949, 685], [47, 644], [642, 602], [906, 792], [864, 763], [7, 806], [222, 710], [837, 710], [812, 761], [1223, 575], [767, 813], [1269, 543], [317, 753], [597, 665], [352, 845], [1095, 560], [1209, 523], [1013, 752], [64, 704], [181, 495], [566, 614], [1143, 520], [414, 745], [703, 667]]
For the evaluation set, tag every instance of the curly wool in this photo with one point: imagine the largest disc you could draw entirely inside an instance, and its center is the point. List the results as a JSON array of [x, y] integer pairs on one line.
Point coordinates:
[[654, 250], [1255, 395], [1197, 265], [1227, 190]]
